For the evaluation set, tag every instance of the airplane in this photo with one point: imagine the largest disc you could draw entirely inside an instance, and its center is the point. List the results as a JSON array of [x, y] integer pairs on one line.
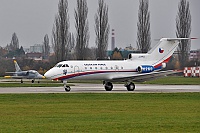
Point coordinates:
[[29, 74], [137, 68]]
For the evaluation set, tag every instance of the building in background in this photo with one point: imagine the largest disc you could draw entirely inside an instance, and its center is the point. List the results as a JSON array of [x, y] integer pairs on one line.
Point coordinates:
[[35, 52], [37, 48], [194, 55]]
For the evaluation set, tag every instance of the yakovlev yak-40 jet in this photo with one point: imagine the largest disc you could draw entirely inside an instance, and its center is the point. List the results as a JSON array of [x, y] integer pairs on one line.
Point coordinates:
[[29, 74], [138, 67]]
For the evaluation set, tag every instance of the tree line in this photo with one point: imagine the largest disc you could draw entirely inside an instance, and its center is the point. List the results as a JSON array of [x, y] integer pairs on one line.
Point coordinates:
[[64, 41], [68, 45]]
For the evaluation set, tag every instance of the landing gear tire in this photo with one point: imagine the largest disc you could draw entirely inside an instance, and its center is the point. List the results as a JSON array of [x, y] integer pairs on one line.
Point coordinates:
[[130, 87], [108, 86], [67, 88], [21, 81], [32, 81]]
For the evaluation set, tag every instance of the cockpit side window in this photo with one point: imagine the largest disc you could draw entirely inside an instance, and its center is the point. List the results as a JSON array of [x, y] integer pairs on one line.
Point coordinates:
[[59, 65]]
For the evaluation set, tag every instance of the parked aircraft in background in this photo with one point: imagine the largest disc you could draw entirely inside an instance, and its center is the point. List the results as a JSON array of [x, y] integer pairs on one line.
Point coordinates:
[[29, 74], [139, 67]]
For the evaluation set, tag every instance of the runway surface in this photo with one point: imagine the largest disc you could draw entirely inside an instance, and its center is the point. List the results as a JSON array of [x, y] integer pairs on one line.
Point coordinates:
[[98, 88]]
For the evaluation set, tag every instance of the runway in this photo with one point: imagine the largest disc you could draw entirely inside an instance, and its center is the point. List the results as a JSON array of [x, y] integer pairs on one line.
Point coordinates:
[[98, 88]]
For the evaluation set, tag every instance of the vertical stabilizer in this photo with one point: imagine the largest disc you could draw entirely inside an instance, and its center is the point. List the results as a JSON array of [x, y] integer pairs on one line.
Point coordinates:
[[164, 49], [17, 68]]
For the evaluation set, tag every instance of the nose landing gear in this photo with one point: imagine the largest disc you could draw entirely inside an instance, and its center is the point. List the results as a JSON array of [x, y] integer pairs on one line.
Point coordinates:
[[66, 87], [108, 86]]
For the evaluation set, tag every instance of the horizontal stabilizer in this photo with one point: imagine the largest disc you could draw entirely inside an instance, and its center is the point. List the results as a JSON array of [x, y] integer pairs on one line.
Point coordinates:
[[177, 39]]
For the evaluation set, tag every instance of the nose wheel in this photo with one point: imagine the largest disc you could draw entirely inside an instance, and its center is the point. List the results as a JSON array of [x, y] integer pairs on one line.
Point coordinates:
[[108, 86], [66, 87]]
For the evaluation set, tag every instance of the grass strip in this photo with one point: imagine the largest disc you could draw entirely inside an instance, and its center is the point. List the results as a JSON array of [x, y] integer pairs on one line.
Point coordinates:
[[177, 112], [174, 80]]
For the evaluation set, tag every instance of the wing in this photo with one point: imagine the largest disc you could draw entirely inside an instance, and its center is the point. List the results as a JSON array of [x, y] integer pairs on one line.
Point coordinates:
[[21, 72], [14, 77], [147, 76]]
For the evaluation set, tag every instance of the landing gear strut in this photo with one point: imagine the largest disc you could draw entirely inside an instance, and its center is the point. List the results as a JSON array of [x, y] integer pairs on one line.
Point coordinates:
[[130, 86], [108, 86], [66, 87]]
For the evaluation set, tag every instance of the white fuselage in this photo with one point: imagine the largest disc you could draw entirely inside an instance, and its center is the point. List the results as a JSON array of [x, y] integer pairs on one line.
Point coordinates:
[[93, 70], [108, 70]]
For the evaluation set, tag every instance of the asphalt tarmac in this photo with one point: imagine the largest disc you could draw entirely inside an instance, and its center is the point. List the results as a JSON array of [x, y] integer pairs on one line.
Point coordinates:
[[99, 88]]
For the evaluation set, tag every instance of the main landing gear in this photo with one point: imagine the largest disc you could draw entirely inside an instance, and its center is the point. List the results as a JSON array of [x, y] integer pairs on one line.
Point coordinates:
[[109, 86], [130, 86]]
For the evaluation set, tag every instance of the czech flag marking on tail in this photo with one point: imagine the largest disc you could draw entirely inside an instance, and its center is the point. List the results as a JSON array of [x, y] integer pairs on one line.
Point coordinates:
[[161, 50]]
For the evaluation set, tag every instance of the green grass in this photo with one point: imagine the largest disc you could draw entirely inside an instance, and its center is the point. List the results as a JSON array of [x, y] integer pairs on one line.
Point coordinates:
[[173, 80], [100, 112], [29, 85]]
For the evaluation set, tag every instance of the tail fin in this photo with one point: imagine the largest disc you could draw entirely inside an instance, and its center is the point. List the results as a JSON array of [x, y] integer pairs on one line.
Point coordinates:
[[17, 68], [164, 49], [160, 53]]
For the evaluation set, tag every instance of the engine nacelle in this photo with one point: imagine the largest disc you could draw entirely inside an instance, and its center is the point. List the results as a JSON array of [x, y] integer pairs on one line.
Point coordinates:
[[145, 69]]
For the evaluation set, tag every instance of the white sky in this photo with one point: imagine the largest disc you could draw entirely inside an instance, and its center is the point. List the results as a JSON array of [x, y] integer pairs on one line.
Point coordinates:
[[32, 19]]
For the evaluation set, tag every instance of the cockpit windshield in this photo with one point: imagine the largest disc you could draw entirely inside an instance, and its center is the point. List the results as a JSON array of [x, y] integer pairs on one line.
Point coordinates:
[[61, 65]]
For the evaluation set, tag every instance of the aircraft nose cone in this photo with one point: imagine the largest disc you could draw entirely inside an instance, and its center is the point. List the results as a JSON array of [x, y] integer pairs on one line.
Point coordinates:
[[41, 76]]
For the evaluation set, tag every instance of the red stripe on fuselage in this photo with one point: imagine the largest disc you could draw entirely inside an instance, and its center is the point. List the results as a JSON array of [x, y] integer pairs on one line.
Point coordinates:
[[88, 73]]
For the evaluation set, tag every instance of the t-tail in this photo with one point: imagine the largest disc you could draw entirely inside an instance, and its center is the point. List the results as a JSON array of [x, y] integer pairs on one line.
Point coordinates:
[[17, 68], [160, 54]]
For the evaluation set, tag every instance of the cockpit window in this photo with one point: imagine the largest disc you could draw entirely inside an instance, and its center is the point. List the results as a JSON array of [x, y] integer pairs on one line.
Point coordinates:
[[61, 65], [65, 65]]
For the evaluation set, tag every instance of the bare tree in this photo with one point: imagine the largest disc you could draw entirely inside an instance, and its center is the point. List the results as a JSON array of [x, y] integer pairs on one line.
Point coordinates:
[[71, 46], [102, 29], [60, 32], [55, 41], [46, 48], [143, 25], [71, 41], [14, 45], [82, 29], [183, 30]]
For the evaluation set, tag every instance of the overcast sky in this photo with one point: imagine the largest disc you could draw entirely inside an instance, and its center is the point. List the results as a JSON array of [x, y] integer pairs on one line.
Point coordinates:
[[32, 19]]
